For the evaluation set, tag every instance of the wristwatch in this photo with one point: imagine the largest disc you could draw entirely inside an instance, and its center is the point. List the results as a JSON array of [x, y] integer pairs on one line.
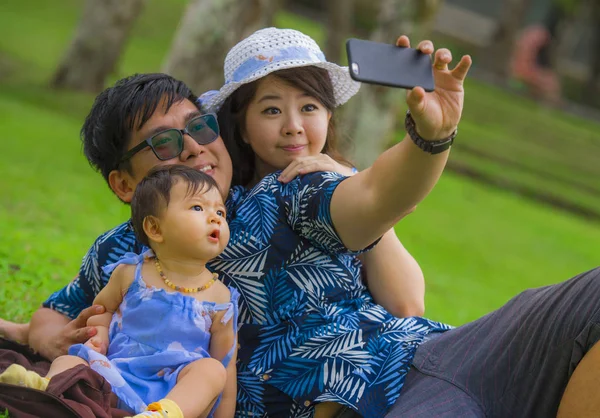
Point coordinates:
[[432, 147]]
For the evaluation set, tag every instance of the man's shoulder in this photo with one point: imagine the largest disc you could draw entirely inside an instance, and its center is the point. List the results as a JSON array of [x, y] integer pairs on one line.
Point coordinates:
[[124, 230], [120, 238]]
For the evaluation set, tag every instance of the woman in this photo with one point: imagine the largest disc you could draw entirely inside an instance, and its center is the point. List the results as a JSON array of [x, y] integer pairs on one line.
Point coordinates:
[[310, 333]]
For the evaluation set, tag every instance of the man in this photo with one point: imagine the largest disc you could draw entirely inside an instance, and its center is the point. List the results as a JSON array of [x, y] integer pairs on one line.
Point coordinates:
[[133, 111]]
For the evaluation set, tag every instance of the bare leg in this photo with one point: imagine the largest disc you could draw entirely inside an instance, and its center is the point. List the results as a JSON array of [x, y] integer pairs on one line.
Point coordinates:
[[581, 395], [62, 363], [14, 332], [16, 374], [198, 386]]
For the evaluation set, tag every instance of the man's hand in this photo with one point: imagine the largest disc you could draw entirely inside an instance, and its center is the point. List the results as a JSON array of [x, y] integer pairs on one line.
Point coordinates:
[[51, 336], [77, 330]]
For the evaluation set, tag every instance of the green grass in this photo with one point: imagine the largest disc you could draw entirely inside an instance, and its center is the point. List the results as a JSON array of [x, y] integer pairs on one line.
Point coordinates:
[[51, 200], [550, 152], [477, 245]]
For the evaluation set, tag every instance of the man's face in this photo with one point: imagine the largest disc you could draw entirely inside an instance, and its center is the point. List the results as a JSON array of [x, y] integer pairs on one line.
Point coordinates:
[[213, 159]]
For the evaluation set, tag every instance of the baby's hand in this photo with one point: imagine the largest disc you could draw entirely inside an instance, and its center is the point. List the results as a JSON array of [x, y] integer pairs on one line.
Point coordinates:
[[97, 344], [311, 164]]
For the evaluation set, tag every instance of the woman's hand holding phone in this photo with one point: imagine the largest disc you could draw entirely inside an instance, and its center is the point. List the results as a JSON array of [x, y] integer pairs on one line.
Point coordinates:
[[435, 93], [437, 113]]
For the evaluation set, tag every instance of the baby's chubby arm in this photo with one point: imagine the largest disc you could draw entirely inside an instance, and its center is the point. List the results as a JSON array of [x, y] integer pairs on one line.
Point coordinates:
[[221, 341], [110, 297]]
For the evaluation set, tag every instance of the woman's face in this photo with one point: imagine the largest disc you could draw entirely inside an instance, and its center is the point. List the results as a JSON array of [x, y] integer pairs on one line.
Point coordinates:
[[283, 123]]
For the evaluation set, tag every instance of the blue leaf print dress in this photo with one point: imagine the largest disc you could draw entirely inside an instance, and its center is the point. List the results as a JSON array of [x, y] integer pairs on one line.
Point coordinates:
[[310, 331], [153, 335]]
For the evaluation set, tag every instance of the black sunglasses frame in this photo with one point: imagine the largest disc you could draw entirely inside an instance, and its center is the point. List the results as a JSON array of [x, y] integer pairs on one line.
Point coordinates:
[[207, 117]]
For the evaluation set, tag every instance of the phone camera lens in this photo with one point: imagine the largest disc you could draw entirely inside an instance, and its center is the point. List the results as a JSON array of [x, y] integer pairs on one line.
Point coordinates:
[[355, 69]]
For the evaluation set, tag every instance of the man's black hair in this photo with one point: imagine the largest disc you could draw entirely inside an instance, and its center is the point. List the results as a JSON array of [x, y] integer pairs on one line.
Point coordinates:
[[123, 108]]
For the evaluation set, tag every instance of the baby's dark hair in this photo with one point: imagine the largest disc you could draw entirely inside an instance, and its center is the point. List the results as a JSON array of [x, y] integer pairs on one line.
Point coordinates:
[[153, 193]]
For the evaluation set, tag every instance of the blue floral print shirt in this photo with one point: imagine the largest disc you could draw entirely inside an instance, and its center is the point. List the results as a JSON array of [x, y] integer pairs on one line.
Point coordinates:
[[309, 331]]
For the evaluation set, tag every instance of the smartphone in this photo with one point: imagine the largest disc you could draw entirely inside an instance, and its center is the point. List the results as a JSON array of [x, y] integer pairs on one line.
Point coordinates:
[[389, 65]]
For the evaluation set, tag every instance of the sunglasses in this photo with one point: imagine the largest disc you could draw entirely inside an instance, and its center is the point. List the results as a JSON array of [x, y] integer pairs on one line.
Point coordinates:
[[168, 144]]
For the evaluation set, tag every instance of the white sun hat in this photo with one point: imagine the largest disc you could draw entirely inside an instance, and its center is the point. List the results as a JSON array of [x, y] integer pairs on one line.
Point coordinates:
[[271, 49]]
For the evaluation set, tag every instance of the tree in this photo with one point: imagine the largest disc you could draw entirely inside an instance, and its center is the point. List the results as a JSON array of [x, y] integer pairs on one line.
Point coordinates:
[[339, 22], [593, 82], [208, 29], [371, 118], [97, 45]]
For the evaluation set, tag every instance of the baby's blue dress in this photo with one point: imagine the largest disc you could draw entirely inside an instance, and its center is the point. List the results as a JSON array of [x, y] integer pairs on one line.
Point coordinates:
[[153, 335]]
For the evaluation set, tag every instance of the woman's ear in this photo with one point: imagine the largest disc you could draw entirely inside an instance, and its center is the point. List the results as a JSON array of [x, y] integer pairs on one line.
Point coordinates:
[[152, 229], [122, 184], [243, 136], [242, 131]]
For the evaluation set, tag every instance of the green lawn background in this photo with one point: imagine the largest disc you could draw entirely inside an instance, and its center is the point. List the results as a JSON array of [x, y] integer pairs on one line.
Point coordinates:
[[478, 246]]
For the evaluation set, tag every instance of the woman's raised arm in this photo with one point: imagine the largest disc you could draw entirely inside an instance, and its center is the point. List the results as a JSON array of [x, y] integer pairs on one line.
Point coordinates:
[[403, 175]]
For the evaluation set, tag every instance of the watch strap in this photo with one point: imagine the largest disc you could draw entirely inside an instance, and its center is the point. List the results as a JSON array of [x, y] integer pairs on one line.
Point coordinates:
[[431, 147]]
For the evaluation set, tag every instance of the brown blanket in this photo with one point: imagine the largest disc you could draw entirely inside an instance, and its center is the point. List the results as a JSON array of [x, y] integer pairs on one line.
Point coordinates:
[[79, 392]]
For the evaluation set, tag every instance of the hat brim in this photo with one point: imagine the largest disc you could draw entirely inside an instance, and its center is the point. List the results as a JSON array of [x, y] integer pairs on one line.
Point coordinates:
[[344, 87]]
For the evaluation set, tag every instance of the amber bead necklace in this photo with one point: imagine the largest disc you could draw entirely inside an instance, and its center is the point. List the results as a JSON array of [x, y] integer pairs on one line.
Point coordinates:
[[181, 288]]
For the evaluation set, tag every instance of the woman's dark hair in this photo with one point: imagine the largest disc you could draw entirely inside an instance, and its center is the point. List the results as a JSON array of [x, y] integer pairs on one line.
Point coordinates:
[[312, 80], [153, 193], [123, 108]]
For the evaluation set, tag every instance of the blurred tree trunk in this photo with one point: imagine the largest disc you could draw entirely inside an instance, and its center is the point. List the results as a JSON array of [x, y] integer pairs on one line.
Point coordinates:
[[592, 90], [339, 22], [496, 57], [269, 9], [207, 30], [98, 43], [425, 13], [372, 118]]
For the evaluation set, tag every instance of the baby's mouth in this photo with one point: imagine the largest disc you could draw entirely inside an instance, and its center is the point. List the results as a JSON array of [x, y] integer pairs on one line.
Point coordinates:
[[215, 235]]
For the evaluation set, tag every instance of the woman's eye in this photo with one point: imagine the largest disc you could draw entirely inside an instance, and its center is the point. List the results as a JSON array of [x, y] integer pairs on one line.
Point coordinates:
[[309, 108], [197, 208], [271, 111]]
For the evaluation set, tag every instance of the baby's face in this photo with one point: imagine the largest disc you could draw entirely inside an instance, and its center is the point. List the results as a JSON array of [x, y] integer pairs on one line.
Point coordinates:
[[195, 223]]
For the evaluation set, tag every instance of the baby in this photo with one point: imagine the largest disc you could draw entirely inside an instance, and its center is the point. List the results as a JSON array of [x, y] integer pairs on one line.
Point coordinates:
[[167, 342]]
